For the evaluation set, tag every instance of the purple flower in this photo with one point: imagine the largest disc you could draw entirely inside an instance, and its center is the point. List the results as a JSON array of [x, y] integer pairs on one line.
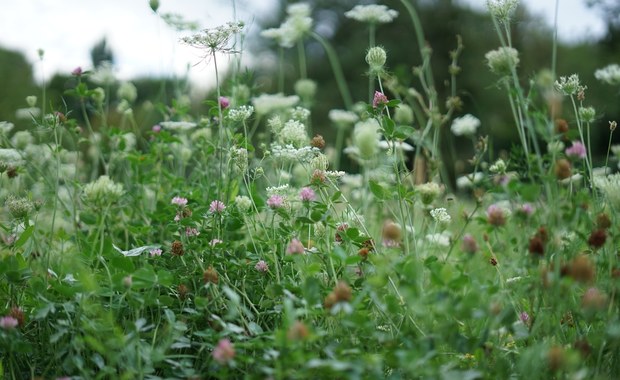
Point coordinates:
[[275, 201], [527, 209], [496, 215], [224, 352], [179, 201], [8, 322], [295, 247], [215, 242], [524, 317], [379, 99], [216, 207], [578, 150], [155, 252], [156, 128], [191, 231], [469, 244], [77, 71], [224, 102], [261, 266], [307, 194]]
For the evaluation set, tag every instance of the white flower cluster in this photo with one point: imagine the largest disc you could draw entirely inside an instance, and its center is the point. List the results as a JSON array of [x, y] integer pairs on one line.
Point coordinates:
[[103, 191], [609, 74], [104, 74], [610, 187], [178, 125], [502, 9], [300, 113], [267, 103], [441, 216], [296, 25], [215, 39], [241, 113], [11, 157], [465, 125], [289, 152], [278, 190], [570, 85], [293, 133], [439, 239], [6, 127], [342, 118], [498, 167], [467, 181], [501, 61], [372, 14], [243, 203]]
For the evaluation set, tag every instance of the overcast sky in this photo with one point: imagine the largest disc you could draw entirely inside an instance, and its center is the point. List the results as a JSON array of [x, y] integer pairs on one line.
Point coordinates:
[[143, 45]]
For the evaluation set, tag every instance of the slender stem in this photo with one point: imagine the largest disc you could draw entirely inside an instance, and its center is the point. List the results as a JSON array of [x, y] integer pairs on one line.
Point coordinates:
[[301, 53], [337, 69]]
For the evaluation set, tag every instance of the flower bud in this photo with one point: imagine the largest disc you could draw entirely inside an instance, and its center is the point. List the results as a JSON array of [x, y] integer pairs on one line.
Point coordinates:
[[376, 57]]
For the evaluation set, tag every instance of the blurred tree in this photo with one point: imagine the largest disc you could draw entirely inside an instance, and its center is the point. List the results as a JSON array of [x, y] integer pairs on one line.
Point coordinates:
[[17, 83], [610, 12], [101, 53]]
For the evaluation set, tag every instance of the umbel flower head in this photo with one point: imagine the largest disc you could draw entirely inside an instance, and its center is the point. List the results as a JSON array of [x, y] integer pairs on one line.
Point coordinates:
[[297, 24], [465, 125], [372, 14], [569, 85], [215, 39], [502, 10], [502, 60], [609, 74], [103, 191]]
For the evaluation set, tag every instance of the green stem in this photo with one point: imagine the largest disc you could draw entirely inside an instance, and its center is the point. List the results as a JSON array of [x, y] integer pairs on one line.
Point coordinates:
[[337, 69]]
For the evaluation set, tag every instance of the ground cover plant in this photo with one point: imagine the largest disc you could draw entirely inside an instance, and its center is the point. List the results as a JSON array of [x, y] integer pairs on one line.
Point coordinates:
[[232, 245]]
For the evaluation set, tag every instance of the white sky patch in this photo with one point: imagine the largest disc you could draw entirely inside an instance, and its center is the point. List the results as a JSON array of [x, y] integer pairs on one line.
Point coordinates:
[[143, 45]]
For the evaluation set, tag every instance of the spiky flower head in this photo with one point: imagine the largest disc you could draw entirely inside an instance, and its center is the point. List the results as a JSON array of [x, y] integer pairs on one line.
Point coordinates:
[[376, 57], [569, 85], [502, 10], [503, 60]]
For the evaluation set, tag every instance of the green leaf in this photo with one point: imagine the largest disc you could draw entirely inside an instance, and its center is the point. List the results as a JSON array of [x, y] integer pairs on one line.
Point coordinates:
[[379, 191], [23, 238]]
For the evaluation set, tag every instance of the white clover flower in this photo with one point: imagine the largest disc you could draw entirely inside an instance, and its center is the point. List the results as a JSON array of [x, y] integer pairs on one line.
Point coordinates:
[[241, 113], [178, 125], [104, 74], [609, 74], [465, 125], [440, 215], [502, 9], [428, 192], [570, 85], [293, 133], [498, 167], [243, 203], [439, 239], [103, 191], [127, 91], [342, 118], [215, 39], [503, 60], [6, 127], [267, 103], [372, 14], [610, 187], [467, 181]]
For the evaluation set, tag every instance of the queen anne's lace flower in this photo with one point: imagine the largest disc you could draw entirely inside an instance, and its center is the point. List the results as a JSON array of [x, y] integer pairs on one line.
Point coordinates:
[[297, 24], [465, 125], [215, 39], [372, 14], [267, 103], [609, 74]]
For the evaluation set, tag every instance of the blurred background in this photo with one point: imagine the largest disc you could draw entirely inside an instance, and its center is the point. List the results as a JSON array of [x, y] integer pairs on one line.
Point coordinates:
[[42, 41]]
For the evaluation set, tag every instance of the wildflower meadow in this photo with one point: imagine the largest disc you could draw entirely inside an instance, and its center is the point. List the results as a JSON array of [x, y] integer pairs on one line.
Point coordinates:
[[241, 243]]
